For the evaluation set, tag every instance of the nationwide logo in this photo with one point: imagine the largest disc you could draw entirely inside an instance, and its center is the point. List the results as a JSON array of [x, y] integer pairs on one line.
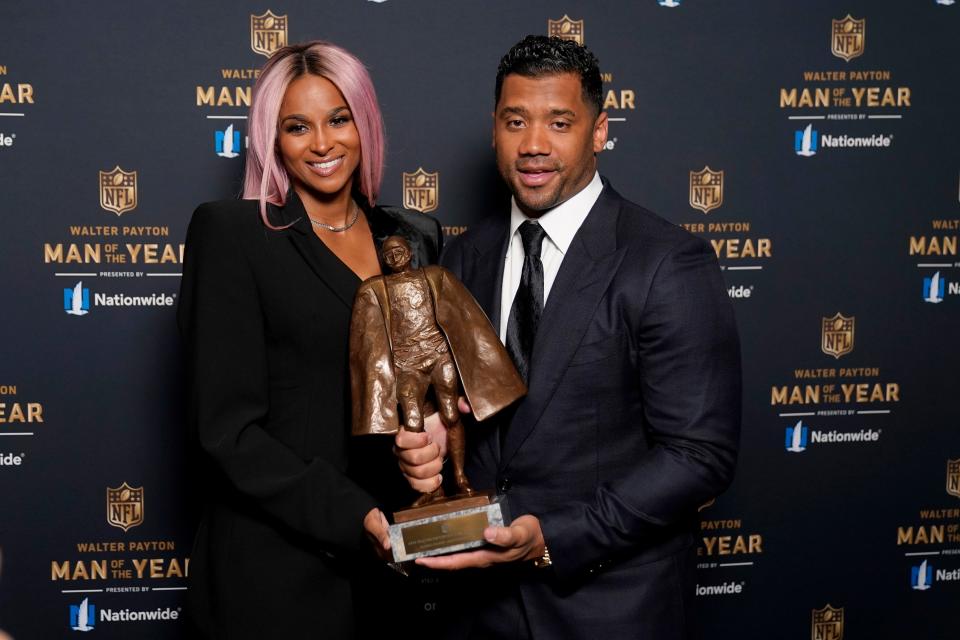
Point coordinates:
[[725, 589], [421, 190], [76, 301], [827, 624], [799, 437], [118, 190], [268, 32], [11, 459], [125, 506], [805, 142], [921, 578], [837, 335], [739, 292], [848, 37], [226, 143], [945, 3], [953, 477], [796, 438], [566, 28], [7, 140], [83, 616], [933, 288], [129, 615], [669, 3], [877, 140], [936, 286], [706, 189]]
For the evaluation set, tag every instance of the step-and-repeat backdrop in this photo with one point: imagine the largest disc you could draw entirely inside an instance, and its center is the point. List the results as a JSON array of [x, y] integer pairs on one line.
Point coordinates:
[[814, 144]]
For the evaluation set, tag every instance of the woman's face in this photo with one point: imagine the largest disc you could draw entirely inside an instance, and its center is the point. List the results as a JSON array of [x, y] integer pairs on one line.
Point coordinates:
[[318, 139]]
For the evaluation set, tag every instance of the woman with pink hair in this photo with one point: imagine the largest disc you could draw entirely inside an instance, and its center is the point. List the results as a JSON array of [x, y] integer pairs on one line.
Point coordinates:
[[264, 310]]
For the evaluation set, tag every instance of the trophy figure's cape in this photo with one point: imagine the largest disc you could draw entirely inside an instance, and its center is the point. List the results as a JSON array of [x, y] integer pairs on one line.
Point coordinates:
[[489, 379]]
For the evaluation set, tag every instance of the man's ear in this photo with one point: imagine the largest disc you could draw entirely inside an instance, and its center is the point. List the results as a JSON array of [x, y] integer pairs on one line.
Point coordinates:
[[600, 132]]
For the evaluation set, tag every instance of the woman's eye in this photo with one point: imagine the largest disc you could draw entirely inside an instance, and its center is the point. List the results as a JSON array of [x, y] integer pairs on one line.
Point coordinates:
[[296, 128]]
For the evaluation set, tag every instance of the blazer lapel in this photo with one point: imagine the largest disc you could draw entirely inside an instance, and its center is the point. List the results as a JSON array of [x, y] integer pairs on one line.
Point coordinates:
[[486, 274], [335, 275], [482, 273], [585, 273]]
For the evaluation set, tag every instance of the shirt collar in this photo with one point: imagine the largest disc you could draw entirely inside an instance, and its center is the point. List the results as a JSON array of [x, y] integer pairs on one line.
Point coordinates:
[[562, 222]]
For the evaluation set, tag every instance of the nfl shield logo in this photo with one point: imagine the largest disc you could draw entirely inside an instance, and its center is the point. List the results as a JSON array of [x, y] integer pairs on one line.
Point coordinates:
[[566, 28], [837, 335], [953, 477], [706, 189], [848, 37], [267, 33], [827, 624], [125, 506], [421, 190], [118, 190]]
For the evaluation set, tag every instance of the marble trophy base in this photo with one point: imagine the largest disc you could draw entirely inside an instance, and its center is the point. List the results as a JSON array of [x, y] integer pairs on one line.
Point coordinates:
[[445, 526]]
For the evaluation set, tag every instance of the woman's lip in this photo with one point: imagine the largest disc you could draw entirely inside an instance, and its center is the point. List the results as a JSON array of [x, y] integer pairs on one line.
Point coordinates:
[[537, 179], [328, 170]]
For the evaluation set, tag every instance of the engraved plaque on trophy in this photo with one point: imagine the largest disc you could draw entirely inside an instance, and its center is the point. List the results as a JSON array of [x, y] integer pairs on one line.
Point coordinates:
[[447, 525]]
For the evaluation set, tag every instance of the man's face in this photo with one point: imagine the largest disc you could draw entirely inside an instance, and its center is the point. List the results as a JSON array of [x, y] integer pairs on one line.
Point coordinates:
[[545, 137]]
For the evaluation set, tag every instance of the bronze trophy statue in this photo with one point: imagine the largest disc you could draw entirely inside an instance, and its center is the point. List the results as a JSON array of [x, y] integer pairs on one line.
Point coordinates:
[[411, 330]]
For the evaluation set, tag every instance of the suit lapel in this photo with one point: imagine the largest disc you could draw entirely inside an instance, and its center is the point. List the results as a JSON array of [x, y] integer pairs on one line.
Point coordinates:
[[486, 273], [482, 272], [335, 275], [585, 273]]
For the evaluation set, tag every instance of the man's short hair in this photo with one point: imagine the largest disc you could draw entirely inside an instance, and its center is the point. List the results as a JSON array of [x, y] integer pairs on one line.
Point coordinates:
[[538, 56]]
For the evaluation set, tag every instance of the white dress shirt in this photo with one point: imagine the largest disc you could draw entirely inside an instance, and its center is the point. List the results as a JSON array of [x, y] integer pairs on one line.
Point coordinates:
[[560, 224]]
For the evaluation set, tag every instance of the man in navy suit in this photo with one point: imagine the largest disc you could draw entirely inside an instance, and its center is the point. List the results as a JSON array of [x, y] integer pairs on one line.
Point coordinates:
[[620, 323]]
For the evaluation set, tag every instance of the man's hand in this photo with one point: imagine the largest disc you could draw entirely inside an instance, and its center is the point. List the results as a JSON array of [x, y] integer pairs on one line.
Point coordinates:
[[420, 455], [522, 540], [375, 525]]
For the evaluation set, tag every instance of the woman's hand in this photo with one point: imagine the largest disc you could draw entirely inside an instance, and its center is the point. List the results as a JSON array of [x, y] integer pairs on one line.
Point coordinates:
[[375, 525]]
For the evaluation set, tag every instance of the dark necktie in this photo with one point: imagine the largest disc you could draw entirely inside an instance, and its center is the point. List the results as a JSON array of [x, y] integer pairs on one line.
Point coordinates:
[[528, 303]]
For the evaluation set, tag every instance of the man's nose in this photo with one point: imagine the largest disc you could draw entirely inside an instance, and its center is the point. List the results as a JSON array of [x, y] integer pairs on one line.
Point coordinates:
[[535, 142]]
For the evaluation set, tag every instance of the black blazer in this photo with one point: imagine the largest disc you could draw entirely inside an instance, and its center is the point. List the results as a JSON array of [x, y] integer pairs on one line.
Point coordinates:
[[632, 421], [265, 318]]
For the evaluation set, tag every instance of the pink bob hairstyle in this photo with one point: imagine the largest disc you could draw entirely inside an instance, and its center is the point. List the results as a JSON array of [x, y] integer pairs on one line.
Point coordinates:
[[266, 178]]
